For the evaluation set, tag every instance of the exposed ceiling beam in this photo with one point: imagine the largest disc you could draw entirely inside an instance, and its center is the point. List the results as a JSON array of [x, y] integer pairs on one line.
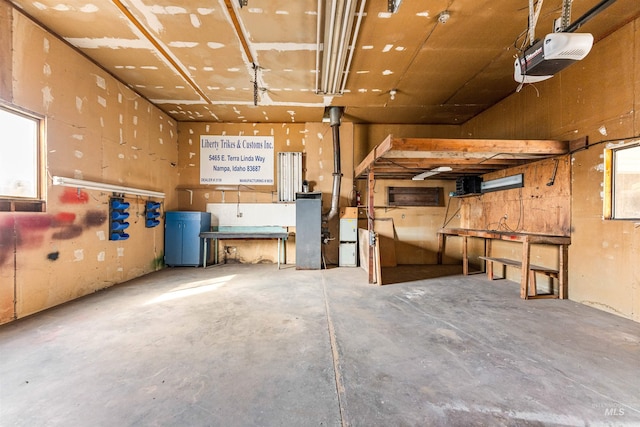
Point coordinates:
[[239, 32], [161, 49]]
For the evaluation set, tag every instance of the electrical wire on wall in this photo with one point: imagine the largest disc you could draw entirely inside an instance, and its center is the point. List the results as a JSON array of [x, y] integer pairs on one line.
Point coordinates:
[[446, 212], [520, 224], [605, 141], [502, 224]]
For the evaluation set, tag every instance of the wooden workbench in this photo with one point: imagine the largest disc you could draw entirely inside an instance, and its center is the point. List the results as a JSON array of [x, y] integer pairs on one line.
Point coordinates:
[[527, 239], [279, 233]]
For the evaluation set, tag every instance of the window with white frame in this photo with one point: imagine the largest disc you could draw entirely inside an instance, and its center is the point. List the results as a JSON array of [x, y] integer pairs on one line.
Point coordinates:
[[20, 160], [622, 181]]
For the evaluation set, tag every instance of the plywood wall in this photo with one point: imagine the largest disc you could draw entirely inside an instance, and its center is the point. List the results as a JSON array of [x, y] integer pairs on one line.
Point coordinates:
[[542, 206], [414, 228], [97, 130], [314, 140], [597, 98], [6, 63]]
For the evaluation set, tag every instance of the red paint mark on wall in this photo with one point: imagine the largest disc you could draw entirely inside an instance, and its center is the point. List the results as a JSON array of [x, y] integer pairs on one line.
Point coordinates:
[[22, 231], [29, 238], [63, 218], [27, 230], [6, 221], [75, 197], [7, 236], [6, 243], [33, 222]]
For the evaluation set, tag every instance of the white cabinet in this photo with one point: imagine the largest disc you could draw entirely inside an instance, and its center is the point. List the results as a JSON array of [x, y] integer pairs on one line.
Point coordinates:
[[348, 255]]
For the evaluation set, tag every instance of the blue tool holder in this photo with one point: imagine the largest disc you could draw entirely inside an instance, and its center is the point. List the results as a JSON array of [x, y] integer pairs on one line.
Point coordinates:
[[117, 216], [151, 214]]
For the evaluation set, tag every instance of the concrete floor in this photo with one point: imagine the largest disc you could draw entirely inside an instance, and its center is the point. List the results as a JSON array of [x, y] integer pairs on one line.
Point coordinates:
[[248, 345]]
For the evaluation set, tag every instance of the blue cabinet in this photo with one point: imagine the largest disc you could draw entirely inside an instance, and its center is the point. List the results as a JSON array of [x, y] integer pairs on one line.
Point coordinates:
[[182, 242]]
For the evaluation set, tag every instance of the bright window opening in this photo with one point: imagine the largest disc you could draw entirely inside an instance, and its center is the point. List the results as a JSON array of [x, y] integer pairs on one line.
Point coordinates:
[[20, 165], [622, 182]]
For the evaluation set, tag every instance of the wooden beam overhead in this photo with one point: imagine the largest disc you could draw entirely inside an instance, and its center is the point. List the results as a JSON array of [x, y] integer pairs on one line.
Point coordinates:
[[403, 158]]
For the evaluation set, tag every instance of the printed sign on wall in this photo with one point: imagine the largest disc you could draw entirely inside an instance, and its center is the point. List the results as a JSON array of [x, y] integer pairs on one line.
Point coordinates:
[[236, 160]]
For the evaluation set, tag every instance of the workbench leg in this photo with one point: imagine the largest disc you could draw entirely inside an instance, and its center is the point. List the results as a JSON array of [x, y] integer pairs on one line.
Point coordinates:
[[204, 253], [563, 271], [524, 272], [465, 256], [533, 286], [488, 265], [278, 253], [371, 226], [441, 240], [215, 252]]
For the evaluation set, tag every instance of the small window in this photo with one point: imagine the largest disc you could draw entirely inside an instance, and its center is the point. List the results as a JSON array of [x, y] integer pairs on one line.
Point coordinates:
[[622, 182], [20, 161], [415, 196]]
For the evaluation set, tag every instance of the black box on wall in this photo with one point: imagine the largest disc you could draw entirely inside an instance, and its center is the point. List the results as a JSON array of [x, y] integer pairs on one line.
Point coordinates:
[[468, 185]]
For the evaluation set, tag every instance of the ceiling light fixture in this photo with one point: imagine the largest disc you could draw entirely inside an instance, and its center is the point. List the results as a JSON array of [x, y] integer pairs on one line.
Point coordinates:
[[392, 94], [444, 16], [506, 183], [337, 33], [432, 172]]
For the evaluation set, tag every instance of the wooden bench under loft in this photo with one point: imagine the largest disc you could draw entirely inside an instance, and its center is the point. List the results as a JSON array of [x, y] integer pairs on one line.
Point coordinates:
[[533, 269], [528, 273]]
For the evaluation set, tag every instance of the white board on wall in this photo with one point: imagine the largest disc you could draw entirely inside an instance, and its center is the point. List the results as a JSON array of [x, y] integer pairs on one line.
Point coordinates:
[[252, 214]]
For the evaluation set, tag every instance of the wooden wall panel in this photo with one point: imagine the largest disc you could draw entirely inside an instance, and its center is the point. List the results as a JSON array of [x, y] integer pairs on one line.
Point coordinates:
[[535, 208], [416, 227], [6, 62]]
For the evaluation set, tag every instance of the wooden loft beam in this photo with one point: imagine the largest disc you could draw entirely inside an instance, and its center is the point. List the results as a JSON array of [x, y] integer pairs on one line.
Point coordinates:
[[404, 156], [365, 164], [516, 146], [422, 163], [464, 155]]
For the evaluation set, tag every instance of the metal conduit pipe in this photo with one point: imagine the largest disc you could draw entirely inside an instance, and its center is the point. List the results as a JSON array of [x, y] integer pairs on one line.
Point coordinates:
[[335, 113]]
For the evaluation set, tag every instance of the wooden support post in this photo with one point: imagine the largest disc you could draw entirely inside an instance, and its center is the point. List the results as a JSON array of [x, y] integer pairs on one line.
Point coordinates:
[[487, 251], [488, 264], [524, 272], [465, 256], [441, 243], [533, 287], [563, 273], [370, 225]]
